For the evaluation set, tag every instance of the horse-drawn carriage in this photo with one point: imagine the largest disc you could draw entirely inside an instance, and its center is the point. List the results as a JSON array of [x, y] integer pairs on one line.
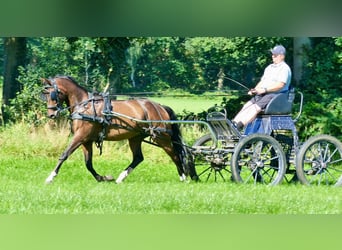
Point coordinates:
[[267, 152]]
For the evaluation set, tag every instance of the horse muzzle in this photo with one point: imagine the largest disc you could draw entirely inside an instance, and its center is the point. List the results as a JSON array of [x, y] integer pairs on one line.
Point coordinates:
[[52, 116], [53, 112]]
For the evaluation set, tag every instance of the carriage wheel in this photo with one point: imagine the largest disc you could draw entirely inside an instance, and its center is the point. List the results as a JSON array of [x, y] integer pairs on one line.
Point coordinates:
[[210, 165], [319, 161], [258, 158]]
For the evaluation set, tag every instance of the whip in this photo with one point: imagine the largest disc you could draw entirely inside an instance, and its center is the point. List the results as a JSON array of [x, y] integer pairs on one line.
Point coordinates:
[[239, 83]]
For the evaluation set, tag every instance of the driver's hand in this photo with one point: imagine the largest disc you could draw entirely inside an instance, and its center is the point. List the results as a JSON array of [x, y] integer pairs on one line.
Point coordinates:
[[252, 92]]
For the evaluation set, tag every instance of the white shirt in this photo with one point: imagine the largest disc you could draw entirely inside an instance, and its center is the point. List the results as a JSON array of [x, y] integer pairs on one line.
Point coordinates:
[[279, 72]]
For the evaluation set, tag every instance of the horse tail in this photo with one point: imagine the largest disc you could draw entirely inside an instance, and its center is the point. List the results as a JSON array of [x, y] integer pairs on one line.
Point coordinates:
[[182, 151]]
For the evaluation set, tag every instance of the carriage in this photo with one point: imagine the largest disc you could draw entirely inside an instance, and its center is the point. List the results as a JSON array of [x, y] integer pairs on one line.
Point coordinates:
[[267, 152]]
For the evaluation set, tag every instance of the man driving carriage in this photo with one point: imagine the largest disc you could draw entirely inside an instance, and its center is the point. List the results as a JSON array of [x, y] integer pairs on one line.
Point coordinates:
[[276, 79]]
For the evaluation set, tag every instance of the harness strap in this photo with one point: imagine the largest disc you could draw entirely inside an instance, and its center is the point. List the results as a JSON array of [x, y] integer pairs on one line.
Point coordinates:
[[88, 118], [153, 131]]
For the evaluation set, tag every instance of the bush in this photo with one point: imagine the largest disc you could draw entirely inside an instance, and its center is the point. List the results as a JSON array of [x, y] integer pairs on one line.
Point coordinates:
[[322, 90]]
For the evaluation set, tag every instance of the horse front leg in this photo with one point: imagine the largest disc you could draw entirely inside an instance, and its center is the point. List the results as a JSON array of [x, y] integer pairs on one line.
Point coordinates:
[[88, 158], [70, 149]]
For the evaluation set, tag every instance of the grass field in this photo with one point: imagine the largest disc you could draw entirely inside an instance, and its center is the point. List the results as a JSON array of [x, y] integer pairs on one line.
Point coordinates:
[[196, 105], [186, 103], [28, 156]]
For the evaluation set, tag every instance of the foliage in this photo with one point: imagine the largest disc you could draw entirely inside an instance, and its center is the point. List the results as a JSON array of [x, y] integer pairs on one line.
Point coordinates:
[[189, 64], [193, 63], [322, 89], [28, 107], [93, 62]]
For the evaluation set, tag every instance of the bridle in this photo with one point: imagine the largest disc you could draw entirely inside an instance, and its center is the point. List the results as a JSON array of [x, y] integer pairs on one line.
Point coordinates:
[[54, 96]]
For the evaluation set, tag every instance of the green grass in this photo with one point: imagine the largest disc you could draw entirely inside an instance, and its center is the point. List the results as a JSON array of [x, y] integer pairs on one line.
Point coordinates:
[[181, 104], [28, 156], [187, 103]]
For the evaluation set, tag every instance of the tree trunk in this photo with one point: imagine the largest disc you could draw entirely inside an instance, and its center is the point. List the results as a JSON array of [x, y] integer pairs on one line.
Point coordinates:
[[14, 56], [298, 56]]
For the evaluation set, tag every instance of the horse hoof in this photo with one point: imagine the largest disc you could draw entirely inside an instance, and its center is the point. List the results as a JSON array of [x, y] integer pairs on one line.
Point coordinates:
[[195, 178], [108, 178]]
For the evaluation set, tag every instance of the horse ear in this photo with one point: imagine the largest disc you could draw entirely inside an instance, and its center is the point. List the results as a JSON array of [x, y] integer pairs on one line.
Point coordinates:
[[45, 81]]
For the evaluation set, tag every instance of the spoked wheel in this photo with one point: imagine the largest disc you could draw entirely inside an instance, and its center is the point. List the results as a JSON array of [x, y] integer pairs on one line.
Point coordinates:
[[258, 158], [319, 161], [211, 165]]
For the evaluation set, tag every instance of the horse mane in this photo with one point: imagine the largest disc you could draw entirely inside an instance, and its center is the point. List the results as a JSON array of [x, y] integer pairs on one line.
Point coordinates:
[[70, 78]]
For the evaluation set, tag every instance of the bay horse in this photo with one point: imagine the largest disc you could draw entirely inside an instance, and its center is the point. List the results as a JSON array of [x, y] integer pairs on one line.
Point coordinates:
[[94, 118]]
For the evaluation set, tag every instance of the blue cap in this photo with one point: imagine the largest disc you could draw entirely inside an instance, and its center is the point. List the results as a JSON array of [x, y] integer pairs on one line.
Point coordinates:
[[278, 50]]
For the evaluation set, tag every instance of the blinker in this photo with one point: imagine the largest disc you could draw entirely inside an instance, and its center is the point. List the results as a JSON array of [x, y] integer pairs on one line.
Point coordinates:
[[53, 96]]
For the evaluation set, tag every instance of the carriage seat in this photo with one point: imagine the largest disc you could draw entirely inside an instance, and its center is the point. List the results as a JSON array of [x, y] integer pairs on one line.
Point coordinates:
[[281, 104], [276, 115]]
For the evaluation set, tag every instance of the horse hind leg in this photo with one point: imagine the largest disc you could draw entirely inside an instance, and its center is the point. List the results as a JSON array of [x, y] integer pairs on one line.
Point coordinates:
[[187, 163], [135, 146], [88, 157], [174, 147], [177, 154]]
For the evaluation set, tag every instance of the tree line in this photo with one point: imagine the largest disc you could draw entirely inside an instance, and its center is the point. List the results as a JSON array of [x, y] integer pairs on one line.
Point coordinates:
[[158, 64]]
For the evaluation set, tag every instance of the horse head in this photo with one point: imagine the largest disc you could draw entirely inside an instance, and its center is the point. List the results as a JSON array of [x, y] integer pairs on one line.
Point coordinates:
[[54, 96]]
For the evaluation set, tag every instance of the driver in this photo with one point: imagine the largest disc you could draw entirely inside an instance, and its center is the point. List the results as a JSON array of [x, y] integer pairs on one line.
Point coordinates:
[[276, 79]]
